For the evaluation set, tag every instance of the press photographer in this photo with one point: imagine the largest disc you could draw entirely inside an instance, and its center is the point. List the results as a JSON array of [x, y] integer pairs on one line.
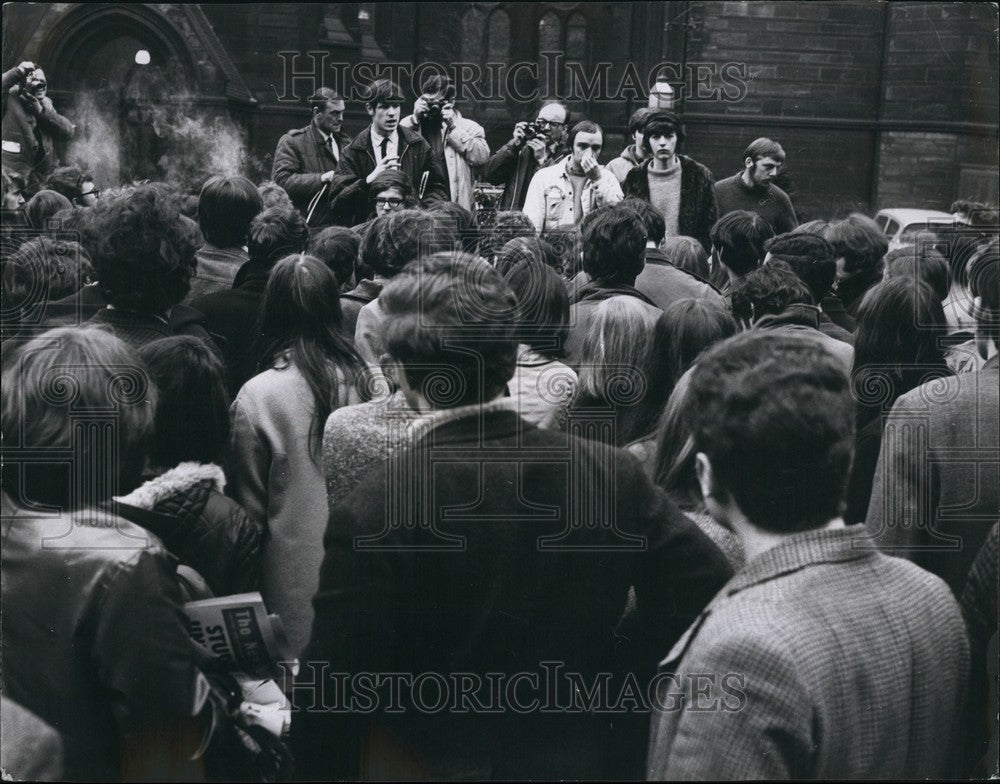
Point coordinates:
[[459, 143], [534, 145], [31, 126]]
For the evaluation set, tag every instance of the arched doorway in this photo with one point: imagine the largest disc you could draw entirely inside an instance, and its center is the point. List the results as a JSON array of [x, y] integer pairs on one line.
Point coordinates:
[[120, 69]]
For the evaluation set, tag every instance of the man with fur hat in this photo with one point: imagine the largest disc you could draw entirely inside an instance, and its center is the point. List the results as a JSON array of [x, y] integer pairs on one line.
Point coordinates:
[[680, 188]]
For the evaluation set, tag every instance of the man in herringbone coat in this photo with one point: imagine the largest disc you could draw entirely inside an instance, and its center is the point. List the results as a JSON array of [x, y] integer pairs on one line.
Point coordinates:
[[822, 658]]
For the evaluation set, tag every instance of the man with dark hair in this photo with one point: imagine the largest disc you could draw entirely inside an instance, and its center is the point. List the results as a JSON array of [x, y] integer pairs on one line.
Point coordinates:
[[752, 188], [534, 145], [31, 126], [821, 659], [678, 186], [392, 243], [143, 253], [562, 194], [811, 258], [382, 146], [225, 208], [337, 247], [387, 600], [634, 154], [614, 244], [660, 280], [459, 143], [937, 485], [774, 298], [860, 246], [737, 246], [274, 234], [75, 185], [306, 159]]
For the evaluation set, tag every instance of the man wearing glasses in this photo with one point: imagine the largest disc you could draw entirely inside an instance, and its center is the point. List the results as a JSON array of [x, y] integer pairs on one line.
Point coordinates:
[[306, 158], [534, 146], [382, 147]]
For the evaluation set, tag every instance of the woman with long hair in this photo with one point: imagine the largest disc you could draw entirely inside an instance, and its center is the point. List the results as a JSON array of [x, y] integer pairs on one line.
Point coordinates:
[[307, 369], [674, 472], [541, 383], [681, 334], [614, 376], [897, 347]]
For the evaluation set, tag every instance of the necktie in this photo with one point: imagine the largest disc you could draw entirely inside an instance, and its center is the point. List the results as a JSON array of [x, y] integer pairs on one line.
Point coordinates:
[[384, 148], [329, 145]]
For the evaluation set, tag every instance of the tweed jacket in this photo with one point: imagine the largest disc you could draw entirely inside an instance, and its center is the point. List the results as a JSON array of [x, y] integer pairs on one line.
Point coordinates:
[[936, 489], [300, 160], [489, 567], [549, 203], [822, 659], [698, 211], [351, 196], [465, 150], [21, 147]]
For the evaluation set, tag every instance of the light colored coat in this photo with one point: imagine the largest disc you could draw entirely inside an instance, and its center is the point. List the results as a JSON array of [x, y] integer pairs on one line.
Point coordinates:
[[465, 148], [274, 476], [549, 202]]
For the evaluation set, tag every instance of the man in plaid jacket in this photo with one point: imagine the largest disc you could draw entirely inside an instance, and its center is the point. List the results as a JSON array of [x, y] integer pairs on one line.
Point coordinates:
[[822, 658]]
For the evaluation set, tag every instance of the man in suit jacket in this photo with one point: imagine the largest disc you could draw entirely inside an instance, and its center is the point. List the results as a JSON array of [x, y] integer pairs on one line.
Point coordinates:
[[381, 146], [306, 158], [31, 126], [487, 547], [822, 658], [936, 489]]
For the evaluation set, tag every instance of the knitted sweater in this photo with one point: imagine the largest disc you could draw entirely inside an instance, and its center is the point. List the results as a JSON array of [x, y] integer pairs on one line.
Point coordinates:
[[770, 202]]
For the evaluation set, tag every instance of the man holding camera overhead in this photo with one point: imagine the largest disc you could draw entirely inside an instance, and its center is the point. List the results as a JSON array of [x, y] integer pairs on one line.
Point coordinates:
[[458, 143], [534, 145], [30, 126]]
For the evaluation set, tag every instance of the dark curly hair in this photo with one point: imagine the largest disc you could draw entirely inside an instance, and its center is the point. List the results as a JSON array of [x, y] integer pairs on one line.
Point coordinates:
[[143, 250]]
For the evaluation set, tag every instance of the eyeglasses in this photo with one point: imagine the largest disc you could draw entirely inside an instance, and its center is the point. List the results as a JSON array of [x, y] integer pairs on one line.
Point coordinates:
[[389, 200], [550, 123], [95, 193]]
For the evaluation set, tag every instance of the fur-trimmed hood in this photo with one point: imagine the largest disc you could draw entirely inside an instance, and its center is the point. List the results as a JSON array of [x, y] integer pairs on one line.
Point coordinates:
[[179, 479]]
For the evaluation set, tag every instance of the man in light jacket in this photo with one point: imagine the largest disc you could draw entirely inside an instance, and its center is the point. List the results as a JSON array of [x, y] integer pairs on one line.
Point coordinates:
[[561, 194], [460, 143]]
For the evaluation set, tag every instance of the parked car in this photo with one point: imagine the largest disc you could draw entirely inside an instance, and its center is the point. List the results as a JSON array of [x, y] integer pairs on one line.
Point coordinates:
[[902, 225]]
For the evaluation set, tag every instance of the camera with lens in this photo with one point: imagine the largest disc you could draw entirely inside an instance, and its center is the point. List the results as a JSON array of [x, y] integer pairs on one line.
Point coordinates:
[[533, 129], [433, 111]]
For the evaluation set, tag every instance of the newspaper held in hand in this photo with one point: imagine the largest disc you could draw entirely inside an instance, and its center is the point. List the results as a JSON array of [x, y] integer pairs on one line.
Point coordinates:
[[237, 632]]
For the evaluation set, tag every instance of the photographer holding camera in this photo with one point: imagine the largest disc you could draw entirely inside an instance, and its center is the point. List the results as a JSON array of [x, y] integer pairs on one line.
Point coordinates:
[[458, 143], [534, 145], [30, 126]]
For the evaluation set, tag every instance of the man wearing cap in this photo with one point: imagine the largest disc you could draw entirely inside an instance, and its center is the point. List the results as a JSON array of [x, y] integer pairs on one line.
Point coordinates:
[[383, 146], [752, 188], [31, 126], [306, 159], [680, 188], [635, 153]]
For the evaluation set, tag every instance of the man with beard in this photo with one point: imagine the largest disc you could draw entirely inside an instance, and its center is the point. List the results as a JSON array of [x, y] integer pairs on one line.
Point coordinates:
[[753, 188], [458, 143], [31, 126]]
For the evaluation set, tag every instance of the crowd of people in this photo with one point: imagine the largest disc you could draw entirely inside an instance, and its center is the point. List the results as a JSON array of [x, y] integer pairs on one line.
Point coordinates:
[[637, 477]]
